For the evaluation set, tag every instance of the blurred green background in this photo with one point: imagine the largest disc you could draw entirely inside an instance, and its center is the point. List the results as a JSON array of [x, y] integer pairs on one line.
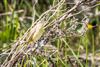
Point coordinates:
[[16, 16]]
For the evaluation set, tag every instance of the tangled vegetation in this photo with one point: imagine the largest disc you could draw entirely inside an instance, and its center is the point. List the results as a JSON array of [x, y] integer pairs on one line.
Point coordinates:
[[49, 33]]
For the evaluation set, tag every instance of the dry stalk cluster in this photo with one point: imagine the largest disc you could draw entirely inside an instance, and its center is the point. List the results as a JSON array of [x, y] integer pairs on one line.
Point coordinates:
[[48, 27]]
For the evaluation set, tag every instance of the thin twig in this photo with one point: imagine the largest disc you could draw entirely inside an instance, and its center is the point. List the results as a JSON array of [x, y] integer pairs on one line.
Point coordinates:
[[10, 13]]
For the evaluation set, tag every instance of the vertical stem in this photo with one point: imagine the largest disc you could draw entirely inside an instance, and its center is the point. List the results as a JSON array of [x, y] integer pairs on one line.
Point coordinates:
[[93, 50], [86, 55], [58, 42]]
